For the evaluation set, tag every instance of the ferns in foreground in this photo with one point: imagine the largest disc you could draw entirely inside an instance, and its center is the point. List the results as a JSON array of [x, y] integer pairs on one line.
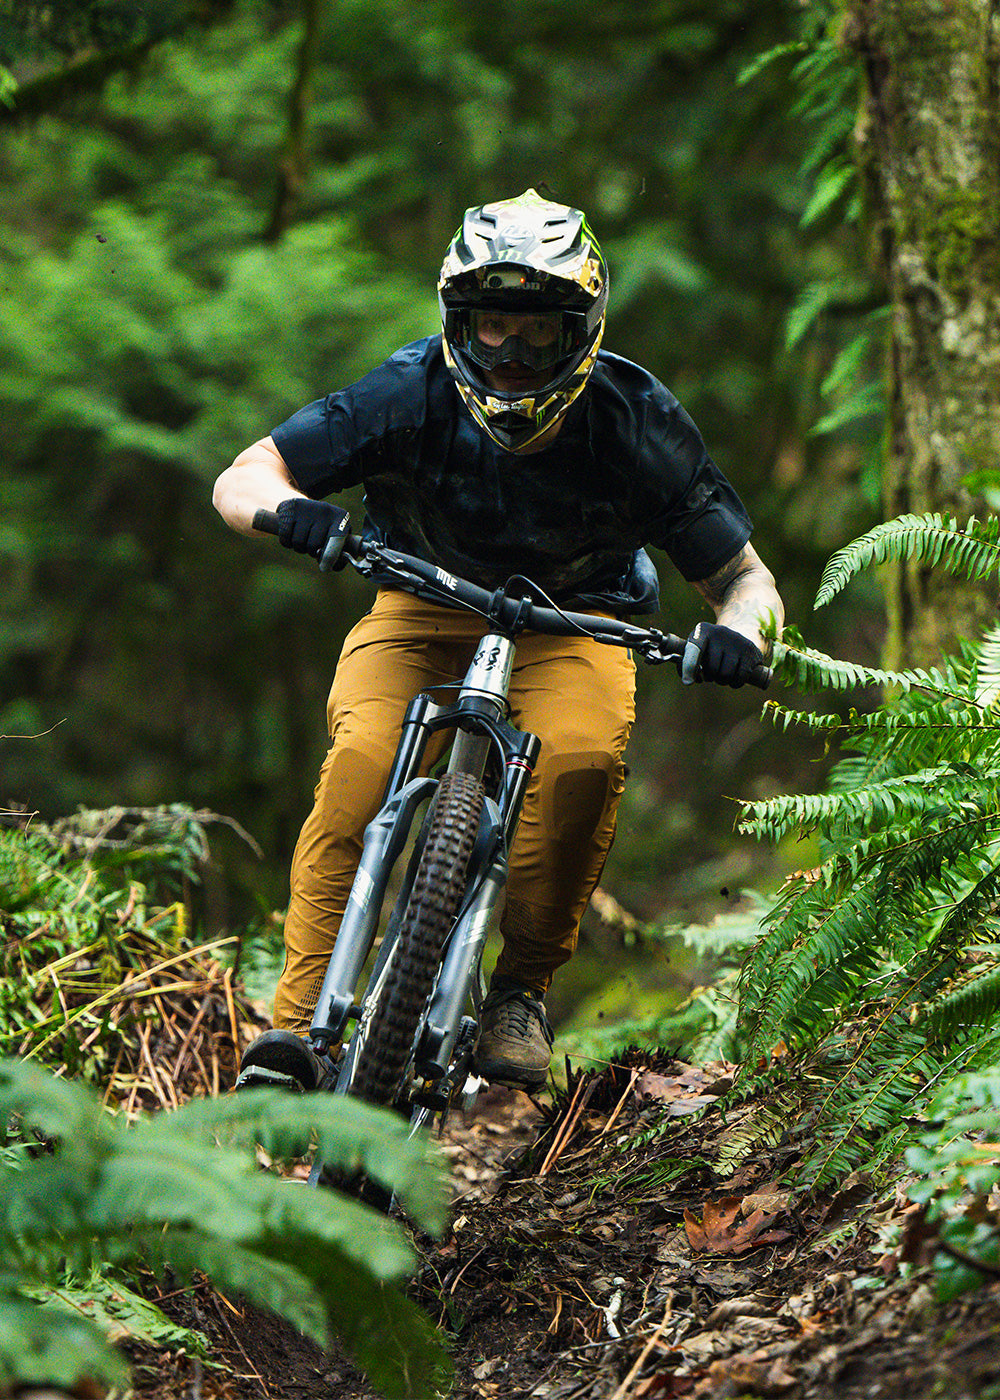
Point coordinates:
[[880, 968], [182, 1190]]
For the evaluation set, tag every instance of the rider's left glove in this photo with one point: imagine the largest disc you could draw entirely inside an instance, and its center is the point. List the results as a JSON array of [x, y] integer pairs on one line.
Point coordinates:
[[314, 527], [719, 654]]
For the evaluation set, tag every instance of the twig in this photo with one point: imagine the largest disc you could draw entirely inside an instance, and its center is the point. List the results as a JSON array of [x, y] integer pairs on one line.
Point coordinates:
[[583, 1093], [637, 1365], [114, 1073], [620, 1105], [206, 1003], [240, 1347], [144, 1045], [227, 983]]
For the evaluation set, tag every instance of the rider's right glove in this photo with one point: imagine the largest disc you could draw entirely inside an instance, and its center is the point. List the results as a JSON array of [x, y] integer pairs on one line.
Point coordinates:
[[314, 527], [719, 654]]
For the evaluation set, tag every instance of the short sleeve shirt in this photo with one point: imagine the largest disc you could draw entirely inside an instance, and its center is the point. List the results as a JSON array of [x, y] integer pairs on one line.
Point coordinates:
[[628, 469]]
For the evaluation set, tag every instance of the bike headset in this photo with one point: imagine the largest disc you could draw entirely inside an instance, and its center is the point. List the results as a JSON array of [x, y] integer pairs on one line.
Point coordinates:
[[530, 255]]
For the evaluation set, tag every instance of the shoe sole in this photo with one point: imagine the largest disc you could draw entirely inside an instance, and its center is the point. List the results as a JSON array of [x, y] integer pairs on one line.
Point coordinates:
[[510, 1074]]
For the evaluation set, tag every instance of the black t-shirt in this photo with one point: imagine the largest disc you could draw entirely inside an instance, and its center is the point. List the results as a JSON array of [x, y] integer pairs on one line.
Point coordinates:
[[627, 469]]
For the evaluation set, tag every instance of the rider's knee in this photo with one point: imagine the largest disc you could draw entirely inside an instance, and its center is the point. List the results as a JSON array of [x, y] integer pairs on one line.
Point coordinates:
[[580, 793]]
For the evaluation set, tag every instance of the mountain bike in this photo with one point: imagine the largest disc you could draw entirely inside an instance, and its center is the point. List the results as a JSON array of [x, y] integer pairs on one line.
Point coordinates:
[[415, 1024]]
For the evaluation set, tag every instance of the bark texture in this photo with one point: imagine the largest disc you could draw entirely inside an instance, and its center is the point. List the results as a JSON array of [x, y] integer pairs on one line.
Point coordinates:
[[929, 141]]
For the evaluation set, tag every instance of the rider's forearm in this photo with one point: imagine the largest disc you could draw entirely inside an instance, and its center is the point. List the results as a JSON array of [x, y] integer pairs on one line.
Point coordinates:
[[257, 480], [744, 597]]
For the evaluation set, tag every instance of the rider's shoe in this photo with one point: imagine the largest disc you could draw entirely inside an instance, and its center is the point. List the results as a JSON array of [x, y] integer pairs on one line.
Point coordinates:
[[282, 1060], [515, 1038]]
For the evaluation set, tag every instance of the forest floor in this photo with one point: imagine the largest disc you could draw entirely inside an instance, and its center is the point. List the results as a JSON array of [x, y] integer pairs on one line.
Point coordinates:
[[596, 1252]]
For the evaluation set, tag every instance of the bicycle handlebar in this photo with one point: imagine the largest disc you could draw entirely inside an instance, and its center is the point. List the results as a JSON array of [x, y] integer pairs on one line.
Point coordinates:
[[508, 614]]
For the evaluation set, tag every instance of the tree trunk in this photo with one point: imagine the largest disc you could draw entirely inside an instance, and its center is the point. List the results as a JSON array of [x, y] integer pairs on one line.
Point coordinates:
[[292, 169], [929, 145]]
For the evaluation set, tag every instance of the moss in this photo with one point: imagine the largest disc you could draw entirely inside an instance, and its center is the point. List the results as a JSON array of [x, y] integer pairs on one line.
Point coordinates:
[[962, 239]]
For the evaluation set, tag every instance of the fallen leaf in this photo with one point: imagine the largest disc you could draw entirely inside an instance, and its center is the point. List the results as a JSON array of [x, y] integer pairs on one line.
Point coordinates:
[[721, 1230], [658, 1086], [767, 1199], [739, 1373], [664, 1384]]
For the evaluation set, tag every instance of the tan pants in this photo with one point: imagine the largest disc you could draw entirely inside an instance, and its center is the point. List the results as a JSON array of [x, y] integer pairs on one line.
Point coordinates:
[[575, 694]]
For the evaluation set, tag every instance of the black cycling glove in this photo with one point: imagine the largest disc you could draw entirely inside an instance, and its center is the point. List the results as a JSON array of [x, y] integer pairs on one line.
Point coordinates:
[[719, 654], [314, 527]]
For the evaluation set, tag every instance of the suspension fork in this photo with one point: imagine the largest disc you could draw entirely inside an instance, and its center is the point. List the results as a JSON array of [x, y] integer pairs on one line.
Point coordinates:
[[484, 692]]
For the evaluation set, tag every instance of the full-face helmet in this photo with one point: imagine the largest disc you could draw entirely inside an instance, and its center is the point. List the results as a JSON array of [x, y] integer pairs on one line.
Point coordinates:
[[523, 283]]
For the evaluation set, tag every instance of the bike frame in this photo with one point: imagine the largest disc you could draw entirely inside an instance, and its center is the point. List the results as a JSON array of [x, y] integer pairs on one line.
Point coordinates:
[[477, 716]]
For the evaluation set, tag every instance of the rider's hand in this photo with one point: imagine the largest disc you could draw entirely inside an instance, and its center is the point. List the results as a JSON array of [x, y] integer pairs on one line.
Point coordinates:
[[313, 527], [719, 654]]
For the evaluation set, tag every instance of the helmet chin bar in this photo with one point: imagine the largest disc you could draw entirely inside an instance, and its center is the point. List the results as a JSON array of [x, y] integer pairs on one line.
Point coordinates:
[[516, 420]]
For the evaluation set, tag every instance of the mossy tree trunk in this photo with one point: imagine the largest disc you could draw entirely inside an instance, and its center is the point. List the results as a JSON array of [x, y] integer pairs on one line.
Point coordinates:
[[929, 142]]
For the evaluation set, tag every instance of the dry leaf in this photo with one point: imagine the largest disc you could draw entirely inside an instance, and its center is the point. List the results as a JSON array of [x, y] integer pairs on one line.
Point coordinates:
[[722, 1230]]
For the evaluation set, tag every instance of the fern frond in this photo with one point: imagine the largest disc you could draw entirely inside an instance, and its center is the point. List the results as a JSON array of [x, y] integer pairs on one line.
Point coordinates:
[[862, 807], [346, 1132], [880, 1085], [812, 670], [112, 1192], [988, 669], [53, 1346], [762, 1126], [867, 401], [763, 61], [935, 540], [972, 1000]]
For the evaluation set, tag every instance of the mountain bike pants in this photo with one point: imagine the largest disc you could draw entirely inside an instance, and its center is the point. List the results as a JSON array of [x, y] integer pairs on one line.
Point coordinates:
[[576, 694]]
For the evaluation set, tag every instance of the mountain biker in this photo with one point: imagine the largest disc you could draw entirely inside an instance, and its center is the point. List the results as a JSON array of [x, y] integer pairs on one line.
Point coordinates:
[[510, 443]]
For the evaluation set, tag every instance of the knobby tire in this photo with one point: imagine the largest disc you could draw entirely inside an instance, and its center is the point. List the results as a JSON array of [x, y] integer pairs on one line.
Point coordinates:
[[438, 887]]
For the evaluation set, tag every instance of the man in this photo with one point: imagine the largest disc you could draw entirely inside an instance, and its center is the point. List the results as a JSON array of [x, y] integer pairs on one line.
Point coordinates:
[[509, 444]]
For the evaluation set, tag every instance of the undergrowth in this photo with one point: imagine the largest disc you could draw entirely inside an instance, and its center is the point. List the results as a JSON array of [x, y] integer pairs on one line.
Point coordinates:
[[97, 955], [868, 1004], [83, 1192]]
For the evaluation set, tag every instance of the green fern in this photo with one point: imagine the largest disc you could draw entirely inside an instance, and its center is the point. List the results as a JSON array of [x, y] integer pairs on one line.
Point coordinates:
[[957, 1174], [183, 1190], [879, 969], [971, 550]]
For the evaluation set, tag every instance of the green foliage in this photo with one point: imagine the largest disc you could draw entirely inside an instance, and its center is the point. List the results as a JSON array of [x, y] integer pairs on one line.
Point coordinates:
[[154, 332], [836, 323], [969, 549], [701, 1027], [957, 1161], [83, 901], [183, 1191], [878, 969]]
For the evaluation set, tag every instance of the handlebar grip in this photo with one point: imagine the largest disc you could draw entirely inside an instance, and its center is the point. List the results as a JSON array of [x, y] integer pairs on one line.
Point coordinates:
[[761, 676], [266, 521]]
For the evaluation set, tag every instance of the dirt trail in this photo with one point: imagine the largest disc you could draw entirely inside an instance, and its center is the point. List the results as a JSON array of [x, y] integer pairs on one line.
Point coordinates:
[[596, 1254]]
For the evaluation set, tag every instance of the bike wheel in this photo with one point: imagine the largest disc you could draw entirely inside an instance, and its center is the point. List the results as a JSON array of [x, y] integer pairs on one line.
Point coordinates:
[[389, 1026]]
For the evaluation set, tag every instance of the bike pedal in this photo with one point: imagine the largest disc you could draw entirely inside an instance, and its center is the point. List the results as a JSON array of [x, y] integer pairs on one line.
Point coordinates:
[[258, 1077], [470, 1093]]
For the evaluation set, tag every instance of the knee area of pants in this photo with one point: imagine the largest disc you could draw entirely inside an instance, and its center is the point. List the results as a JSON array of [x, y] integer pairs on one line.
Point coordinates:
[[577, 791], [352, 784]]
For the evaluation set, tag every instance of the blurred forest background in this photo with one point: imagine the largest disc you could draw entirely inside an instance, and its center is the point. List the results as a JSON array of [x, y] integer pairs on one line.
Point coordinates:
[[214, 212]]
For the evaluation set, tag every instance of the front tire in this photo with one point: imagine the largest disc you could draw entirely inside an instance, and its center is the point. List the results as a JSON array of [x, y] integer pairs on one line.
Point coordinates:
[[388, 1029]]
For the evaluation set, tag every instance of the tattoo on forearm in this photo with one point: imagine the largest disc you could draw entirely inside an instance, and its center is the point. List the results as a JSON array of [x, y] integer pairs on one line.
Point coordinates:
[[715, 588], [743, 594]]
